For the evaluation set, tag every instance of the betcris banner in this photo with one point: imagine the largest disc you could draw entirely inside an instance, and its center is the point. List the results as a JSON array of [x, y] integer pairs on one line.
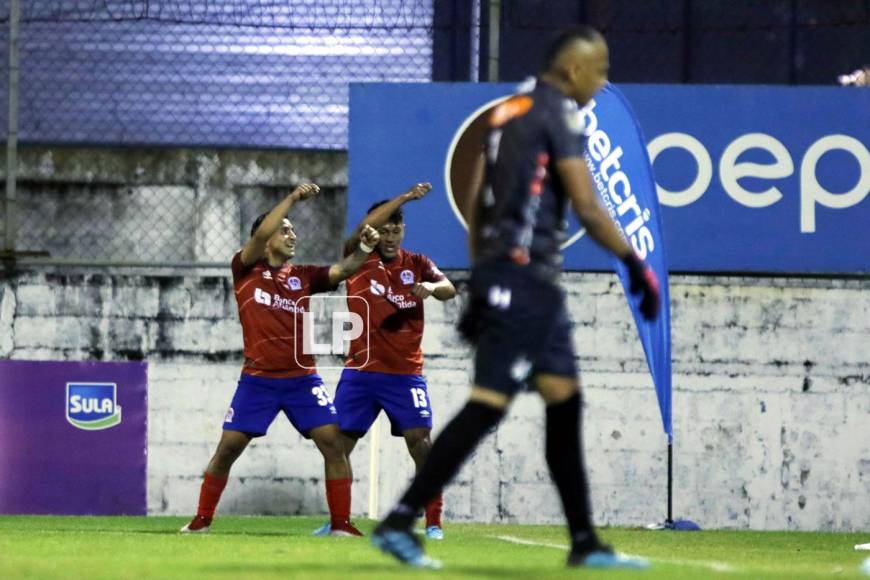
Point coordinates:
[[749, 179], [621, 174]]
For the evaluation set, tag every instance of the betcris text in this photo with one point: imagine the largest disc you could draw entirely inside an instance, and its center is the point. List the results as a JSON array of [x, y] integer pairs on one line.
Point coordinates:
[[730, 171], [614, 185]]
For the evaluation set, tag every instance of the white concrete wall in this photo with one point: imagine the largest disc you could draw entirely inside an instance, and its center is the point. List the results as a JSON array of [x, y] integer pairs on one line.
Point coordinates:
[[771, 401], [160, 206]]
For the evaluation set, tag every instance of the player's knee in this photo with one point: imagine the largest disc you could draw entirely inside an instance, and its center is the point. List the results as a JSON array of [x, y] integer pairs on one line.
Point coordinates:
[[332, 447], [226, 455], [334, 451], [423, 447], [556, 389], [491, 398], [419, 444], [414, 437], [230, 448], [348, 442], [233, 449]]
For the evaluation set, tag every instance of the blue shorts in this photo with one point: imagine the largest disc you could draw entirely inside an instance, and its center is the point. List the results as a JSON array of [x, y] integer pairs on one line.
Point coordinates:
[[304, 400], [361, 395]]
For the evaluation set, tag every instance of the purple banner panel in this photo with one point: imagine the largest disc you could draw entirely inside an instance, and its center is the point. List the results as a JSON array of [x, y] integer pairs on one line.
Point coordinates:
[[73, 437]]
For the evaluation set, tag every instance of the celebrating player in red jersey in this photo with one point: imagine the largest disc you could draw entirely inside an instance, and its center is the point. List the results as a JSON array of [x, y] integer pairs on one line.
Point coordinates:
[[277, 375], [385, 365]]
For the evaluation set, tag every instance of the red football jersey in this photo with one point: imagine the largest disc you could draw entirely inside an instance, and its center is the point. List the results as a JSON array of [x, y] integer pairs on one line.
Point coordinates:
[[271, 302], [394, 315]]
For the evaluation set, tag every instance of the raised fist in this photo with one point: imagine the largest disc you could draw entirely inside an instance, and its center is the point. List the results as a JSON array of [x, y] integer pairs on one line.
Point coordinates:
[[305, 191], [369, 236], [418, 191]]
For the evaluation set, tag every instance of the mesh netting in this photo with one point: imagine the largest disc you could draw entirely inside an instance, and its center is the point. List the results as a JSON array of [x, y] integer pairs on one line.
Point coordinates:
[[229, 73]]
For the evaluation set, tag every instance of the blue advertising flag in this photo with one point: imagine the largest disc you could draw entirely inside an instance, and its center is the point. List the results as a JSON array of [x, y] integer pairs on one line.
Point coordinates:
[[622, 175]]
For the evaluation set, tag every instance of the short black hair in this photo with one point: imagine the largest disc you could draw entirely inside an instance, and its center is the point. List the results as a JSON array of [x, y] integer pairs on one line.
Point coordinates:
[[257, 222], [566, 37], [397, 217]]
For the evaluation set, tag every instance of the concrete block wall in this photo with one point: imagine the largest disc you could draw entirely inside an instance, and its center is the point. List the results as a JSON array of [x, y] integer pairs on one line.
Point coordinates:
[[161, 206], [771, 401]]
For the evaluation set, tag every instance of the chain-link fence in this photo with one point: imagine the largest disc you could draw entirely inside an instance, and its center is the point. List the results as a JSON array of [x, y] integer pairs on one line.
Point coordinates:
[[152, 132], [227, 73], [169, 207]]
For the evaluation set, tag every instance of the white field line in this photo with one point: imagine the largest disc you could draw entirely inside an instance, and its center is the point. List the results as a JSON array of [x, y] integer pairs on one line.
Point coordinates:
[[714, 566], [522, 542]]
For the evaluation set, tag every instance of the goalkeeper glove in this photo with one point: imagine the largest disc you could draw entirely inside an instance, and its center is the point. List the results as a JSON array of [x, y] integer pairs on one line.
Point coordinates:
[[643, 282]]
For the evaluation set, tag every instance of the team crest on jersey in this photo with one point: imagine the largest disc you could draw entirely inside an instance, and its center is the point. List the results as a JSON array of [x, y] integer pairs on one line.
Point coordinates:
[[294, 283], [267, 275], [407, 277]]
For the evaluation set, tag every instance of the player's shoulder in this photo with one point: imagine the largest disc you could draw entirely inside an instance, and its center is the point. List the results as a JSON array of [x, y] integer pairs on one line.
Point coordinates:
[[551, 102], [545, 94], [310, 277], [406, 254], [304, 271], [422, 267], [413, 259], [296, 268], [242, 271]]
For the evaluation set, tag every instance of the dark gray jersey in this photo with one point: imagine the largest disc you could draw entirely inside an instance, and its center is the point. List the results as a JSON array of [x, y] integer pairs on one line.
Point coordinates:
[[523, 201]]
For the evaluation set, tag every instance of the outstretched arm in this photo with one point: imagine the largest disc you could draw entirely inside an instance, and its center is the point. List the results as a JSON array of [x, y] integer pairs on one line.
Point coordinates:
[[380, 215], [441, 290], [255, 248], [578, 184], [352, 262]]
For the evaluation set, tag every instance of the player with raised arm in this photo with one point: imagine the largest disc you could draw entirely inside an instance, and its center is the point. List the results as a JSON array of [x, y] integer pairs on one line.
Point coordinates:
[[384, 369], [277, 375], [534, 168]]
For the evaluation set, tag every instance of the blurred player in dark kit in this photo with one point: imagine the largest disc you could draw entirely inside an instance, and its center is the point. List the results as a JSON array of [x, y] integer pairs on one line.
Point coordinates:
[[530, 169]]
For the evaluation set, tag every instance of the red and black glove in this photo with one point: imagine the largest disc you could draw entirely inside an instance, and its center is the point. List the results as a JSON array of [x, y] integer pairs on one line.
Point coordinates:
[[643, 282]]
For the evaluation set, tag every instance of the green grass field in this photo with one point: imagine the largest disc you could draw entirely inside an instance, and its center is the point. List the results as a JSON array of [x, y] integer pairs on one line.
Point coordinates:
[[282, 547]]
